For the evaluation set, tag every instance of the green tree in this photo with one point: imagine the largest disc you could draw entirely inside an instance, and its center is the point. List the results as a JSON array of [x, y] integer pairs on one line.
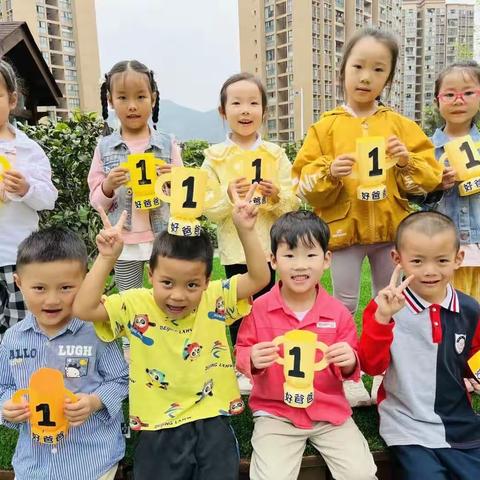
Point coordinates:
[[192, 152], [70, 145]]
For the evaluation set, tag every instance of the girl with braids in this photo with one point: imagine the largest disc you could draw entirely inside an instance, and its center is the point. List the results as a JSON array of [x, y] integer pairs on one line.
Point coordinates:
[[131, 90]]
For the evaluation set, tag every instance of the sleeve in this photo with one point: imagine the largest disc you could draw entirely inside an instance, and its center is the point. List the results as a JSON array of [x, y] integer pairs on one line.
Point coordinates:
[[475, 347], [234, 309], [114, 370], [221, 208], [176, 154], [41, 194], [375, 342], [95, 179], [423, 173], [246, 338], [116, 327], [311, 173], [288, 201], [347, 332], [7, 384]]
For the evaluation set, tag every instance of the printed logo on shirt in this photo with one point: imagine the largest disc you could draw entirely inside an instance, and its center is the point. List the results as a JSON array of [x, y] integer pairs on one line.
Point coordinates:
[[75, 350], [76, 367], [21, 353], [219, 313], [329, 324], [460, 339]]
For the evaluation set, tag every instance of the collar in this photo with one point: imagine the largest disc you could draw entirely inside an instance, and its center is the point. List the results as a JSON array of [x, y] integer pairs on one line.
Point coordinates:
[[440, 138], [154, 141], [30, 323], [417, 304], [321, 307], [256, 144], [350, 110]]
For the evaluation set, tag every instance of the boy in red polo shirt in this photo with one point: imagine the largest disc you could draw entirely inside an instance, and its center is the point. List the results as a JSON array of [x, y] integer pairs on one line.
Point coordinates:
[[299, 242]]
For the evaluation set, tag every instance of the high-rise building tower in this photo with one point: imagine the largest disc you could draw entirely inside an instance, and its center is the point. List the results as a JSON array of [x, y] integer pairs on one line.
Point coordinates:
[[436, 33], [296, 46], [66, 33]]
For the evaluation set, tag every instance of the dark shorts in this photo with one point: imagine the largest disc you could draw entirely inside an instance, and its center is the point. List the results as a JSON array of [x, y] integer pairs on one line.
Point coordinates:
[[201, 450], [414, 462]]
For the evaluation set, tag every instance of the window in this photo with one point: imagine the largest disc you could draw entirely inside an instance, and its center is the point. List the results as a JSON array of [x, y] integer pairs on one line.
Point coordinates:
[[70, 61], [70, 74], [73, 103], [42, 27], [67, 32], [270, 55], [43, 42]]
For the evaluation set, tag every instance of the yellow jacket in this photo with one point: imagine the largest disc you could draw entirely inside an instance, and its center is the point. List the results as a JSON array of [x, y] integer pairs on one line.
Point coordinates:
[[354, 221], [229, 245]]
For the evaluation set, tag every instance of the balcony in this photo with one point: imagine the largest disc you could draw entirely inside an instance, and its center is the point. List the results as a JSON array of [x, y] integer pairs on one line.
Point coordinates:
[[52, 14]]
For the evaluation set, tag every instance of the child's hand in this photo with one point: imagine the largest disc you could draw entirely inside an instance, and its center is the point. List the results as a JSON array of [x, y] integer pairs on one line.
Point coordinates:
[[341, 354], [397, 150], [16, 412], [163, 169], [244, 213], [78, 412], [472, 385], [109, 239], [15, 183], [342, 165], [263, 355], [269, 189], [390, 300], [116, 177], [240, 186], [448, 178]]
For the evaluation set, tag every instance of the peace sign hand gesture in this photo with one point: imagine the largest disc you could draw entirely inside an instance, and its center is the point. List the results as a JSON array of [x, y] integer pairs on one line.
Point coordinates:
[[244, 213], [109, 239], [390, 300]]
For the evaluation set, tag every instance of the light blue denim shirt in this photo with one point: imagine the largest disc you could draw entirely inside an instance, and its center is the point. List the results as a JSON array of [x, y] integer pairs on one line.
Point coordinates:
[[88, 365], [464, 211], [114, 151]]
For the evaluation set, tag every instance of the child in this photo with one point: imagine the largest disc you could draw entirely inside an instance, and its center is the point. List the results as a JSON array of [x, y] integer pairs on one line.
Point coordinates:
[[299, 242], [51, 265], [25, 189], [131, 90], [323, 167], [422, 333], [457, 93], [243, 103], [182, 383]]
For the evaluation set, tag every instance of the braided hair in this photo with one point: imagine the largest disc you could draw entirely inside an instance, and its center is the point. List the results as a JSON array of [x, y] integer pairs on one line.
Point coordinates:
[[106, 89]]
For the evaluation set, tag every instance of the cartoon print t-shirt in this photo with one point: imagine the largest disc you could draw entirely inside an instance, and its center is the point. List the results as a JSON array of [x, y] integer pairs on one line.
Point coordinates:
[[180, 370]]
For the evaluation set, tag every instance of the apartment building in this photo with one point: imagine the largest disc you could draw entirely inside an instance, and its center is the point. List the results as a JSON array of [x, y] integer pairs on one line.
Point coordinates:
[[435, 33], [66, 33], [296, 47]]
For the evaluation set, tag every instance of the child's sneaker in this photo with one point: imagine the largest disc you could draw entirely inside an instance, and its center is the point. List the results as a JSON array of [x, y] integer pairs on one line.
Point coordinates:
[[377, 381], [244, 383], [356, 393]]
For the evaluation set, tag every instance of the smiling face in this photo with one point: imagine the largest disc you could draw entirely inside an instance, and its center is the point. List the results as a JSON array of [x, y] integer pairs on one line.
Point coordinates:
[[459, 98], [178, 285], [243, 111], [432, 259], [49, 290], [366, 72], [300, 268]]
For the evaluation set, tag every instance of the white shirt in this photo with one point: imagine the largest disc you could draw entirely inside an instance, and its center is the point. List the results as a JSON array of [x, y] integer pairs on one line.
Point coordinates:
[[18, 215]]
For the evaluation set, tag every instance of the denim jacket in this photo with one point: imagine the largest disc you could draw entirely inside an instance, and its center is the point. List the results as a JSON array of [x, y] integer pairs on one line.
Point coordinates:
[[464, 211], [114, 151]]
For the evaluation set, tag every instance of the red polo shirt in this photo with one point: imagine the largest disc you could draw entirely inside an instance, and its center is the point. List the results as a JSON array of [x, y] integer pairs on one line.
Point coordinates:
[[271, 317]]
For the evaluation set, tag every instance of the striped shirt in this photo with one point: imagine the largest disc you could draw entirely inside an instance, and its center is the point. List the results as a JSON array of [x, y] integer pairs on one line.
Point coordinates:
[[424, 350], [88, 366]]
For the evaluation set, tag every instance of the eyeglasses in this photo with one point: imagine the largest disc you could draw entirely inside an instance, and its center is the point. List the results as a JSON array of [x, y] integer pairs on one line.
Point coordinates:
[[451, 97]]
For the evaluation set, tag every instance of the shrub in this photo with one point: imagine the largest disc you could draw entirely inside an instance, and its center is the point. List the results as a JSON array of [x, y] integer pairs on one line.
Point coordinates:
[[70, 145]]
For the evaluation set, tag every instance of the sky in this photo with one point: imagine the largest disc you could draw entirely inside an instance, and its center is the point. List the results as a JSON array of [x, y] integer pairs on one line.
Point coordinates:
[[191, 45]]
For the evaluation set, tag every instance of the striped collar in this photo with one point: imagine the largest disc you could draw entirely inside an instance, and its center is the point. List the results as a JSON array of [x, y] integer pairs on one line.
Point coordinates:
[[417, 304], [30, 322]]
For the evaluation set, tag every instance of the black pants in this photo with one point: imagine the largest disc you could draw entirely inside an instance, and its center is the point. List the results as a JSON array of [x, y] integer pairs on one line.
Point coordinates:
[[200, 450], [239, 268], [414, 462]]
